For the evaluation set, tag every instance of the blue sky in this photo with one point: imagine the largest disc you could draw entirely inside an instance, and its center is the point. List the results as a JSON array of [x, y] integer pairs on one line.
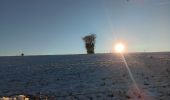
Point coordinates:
[[40, 27]]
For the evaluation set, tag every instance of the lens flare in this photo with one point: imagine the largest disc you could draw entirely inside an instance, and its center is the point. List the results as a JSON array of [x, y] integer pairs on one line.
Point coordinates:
[[119, 48]]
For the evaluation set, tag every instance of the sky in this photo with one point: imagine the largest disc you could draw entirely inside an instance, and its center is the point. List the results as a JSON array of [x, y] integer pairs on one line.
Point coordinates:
[[54, 27]]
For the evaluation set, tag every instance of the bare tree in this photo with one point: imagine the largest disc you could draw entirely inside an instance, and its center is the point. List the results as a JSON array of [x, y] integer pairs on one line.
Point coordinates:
[[89, 41]]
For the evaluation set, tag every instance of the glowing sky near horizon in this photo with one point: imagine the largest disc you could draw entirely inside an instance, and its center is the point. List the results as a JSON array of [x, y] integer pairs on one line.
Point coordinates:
[[40, 27], [119, 48]]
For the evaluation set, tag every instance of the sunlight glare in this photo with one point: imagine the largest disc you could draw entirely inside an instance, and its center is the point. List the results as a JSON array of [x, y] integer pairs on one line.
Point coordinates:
[[119, 48]]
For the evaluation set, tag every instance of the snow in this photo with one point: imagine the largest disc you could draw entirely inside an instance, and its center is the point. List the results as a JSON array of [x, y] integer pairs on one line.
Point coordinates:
[[86, 77]]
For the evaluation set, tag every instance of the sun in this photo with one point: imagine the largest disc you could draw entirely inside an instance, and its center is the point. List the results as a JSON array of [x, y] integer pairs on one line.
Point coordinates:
[[119, 48]]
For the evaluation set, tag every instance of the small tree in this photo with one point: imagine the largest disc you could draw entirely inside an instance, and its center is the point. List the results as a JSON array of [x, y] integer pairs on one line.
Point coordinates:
[[22, 54], [89, 41]]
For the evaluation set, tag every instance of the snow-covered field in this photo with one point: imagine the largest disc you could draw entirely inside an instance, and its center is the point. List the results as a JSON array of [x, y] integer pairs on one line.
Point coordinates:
[[86, 77]]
